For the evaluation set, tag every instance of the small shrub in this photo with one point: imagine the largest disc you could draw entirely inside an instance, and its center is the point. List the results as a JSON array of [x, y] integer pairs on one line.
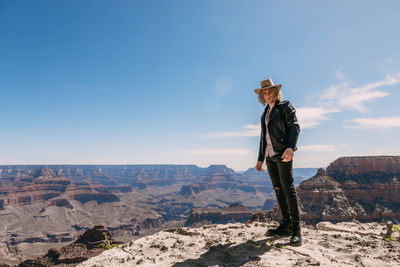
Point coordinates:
[[390, 238], [106, 243]]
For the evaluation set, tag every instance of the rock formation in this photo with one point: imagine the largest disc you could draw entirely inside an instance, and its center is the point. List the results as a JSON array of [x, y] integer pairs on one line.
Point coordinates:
[[218, 176], [321, 198], [364, 170], [234, 213], [351, 188], [91, 243]]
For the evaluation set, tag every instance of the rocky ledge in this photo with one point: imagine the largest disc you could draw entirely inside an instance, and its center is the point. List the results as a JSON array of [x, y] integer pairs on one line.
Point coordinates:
[[245, 244]]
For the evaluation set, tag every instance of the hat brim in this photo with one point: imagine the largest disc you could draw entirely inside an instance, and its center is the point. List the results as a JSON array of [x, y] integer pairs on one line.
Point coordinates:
[[257, 91]]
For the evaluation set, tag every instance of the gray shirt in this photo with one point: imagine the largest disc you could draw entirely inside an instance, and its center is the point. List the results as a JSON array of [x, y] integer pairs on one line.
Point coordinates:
[[269, 150]]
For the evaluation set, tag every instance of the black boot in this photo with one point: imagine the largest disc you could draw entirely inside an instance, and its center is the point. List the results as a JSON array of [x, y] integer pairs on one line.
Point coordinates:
[[284, 228], [296, 238]]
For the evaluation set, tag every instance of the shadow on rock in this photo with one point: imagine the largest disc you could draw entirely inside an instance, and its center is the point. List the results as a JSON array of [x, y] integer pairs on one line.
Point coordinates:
[[228, 255]]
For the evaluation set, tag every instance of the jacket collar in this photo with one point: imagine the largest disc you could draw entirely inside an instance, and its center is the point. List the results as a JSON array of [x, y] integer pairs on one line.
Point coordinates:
[[276, 104], [274, 110]]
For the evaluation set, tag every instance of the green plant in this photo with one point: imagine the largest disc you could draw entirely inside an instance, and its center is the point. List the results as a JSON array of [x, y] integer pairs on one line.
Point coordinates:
[[390, 238], [395, 227], [272, 244], [106, 243]]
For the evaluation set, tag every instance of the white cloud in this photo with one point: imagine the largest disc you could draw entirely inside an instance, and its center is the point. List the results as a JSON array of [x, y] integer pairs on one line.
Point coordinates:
[[249, 130], [311, 117], [318, 148], [333, 92], [219, 152], [346, 97], [357, 97], [380, 124]]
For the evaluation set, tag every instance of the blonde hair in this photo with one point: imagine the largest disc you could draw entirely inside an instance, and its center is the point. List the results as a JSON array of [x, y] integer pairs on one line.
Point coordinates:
[[277, 96]]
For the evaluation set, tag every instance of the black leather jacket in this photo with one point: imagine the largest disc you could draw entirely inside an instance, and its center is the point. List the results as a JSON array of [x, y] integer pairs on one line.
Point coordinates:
[[283, 128]]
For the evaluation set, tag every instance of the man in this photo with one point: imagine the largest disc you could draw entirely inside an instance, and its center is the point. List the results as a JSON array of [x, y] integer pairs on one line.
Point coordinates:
[[280, 131]]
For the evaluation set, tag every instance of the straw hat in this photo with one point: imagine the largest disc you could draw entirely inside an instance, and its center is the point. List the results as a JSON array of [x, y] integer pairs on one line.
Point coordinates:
[[268, 83]]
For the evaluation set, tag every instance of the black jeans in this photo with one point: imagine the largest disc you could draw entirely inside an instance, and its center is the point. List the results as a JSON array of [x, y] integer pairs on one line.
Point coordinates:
[[281, 174]]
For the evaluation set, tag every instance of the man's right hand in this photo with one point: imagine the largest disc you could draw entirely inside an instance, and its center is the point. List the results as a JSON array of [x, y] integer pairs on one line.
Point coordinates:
[[259, 166]]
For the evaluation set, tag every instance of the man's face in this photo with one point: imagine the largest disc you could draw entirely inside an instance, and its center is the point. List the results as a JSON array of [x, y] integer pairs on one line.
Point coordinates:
[[268, 95]]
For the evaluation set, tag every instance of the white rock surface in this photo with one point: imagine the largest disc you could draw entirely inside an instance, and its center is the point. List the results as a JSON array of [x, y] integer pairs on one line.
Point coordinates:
[[343, 244]]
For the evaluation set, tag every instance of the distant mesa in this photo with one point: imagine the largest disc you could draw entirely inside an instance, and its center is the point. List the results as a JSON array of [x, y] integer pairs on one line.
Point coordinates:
[[45, 171], [365, 169], [220, 169], [218, 176], [269, 204]]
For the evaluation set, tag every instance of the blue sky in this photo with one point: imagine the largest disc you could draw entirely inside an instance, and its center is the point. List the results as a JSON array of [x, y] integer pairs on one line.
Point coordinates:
[[171, 82]]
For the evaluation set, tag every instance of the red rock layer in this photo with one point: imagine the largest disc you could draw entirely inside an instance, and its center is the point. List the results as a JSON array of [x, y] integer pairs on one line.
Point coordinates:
[[23, 189], [365, 169]]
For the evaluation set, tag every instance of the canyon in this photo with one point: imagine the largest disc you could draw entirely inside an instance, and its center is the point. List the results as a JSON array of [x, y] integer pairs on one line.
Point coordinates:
[[44, 207], [49, 206]]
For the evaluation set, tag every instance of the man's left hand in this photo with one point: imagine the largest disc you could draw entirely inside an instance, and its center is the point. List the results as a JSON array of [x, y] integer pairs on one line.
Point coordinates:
[[287, 155]]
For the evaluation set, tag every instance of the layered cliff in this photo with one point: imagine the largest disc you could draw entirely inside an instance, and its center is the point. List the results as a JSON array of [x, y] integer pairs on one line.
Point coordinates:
[[365, 170], [360, 188], [43, 185], [371, 185], [352, 188], [322, 198]]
